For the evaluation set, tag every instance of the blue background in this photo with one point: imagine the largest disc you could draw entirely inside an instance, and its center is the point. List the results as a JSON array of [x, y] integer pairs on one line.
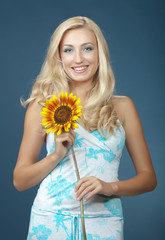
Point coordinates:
[[135, 34]]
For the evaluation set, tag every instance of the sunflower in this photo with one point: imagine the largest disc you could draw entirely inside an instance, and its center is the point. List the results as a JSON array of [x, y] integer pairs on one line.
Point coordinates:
[[61, 114]]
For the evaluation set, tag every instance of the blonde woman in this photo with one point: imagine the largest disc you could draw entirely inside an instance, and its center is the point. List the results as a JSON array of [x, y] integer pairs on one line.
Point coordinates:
[[78, 61]]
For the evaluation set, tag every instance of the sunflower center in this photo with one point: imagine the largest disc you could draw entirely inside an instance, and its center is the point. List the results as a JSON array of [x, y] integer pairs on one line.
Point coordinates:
[[62, 114]]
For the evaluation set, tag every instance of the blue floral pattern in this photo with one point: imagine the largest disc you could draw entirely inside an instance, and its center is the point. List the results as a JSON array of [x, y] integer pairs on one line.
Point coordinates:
[[59, 189], [41, 232]]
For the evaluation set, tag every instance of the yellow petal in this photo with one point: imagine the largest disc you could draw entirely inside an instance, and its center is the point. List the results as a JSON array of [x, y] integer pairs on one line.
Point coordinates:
[[67, 126], [65, 99], [74, 118], [78, 108], [77, 101], [44, 124], [45, 109], [49, 124], [78, 114], [71, 100], [60, 130], [76, 111], [74, 125], [61, 98], [52, 128], [55, 101], [48, 130], [50, 105], [55, 130], [48, 119], [46, 114]]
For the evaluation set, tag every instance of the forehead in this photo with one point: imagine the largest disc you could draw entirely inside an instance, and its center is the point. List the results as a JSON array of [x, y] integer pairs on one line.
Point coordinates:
[[78, 36]]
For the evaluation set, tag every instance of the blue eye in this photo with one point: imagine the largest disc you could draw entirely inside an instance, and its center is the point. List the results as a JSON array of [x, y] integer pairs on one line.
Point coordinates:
[[88, 48], [67, 50]]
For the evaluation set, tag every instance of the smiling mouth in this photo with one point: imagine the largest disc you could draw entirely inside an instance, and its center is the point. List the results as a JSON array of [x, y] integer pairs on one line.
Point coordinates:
[[80, 69]]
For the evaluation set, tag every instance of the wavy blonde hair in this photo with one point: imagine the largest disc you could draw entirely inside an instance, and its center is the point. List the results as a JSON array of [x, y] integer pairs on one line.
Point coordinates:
[[98, 112]]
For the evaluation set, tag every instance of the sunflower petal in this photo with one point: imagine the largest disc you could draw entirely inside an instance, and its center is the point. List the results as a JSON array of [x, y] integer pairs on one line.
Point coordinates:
[[78, 108], [65, 99], [71, 100], [56, 102], [60, 130], [75, 112], [55, 130], [49, 124], [79, 114], [51, 128], [74, 125], [50, 105], [45, 109], [46, 124], [74, 118], [47, 112], [67, 126], [47, 115], [48, 119], [77, 101], [61, 98]]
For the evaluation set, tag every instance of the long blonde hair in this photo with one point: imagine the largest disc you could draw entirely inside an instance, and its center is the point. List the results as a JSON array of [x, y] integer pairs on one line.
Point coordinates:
[[98, 112]]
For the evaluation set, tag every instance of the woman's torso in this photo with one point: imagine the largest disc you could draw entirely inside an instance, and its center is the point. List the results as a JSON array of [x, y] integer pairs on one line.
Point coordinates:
[[96, 156]]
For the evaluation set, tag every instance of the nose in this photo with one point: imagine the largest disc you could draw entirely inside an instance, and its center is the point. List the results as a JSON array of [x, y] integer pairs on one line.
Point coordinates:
[[78, 57]]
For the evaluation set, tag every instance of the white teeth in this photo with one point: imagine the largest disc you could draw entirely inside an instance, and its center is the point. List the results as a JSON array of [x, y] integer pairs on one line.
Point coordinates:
[[80, 68]]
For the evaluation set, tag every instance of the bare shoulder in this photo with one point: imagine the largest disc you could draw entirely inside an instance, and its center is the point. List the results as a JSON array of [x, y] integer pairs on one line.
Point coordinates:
[[121, 100], [34, 106], [124, 106], [33, 117], [33, 111]]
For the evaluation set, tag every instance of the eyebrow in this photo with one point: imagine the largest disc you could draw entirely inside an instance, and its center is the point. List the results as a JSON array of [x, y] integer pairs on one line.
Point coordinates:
[[70, 45]]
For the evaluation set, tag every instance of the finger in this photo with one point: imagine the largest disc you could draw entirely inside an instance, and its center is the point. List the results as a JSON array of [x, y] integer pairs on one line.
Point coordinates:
[[80, 182], [82, 187], [72, 132], [65, 137], [86, 191], [90, 195]]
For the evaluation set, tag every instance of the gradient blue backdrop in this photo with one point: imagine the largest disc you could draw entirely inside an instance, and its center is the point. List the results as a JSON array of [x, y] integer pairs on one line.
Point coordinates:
[[134, 30]]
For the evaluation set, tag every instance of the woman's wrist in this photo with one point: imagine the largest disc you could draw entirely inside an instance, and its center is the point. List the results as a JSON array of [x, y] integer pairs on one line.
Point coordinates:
[[110, 188], [115, 188]]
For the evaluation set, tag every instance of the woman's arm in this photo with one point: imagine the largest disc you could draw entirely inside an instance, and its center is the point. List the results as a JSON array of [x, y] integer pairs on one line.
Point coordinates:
[[145, 179], [29, 171]]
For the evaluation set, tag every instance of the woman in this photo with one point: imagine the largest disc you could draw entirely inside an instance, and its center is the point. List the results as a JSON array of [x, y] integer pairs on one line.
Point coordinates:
[[78, 61]]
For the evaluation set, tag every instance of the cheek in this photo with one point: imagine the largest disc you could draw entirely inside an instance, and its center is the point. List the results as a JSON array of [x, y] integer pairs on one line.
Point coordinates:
[[93, 58], [66, 59]]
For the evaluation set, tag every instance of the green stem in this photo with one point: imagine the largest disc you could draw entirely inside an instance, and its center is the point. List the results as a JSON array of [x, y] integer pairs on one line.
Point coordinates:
[[81, 201]]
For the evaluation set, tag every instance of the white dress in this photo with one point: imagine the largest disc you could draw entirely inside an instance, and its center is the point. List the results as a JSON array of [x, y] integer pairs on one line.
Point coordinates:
[[56, 213]]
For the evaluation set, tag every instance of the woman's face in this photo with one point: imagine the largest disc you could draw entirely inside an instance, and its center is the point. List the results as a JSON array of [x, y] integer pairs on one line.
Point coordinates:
[[79, 54]]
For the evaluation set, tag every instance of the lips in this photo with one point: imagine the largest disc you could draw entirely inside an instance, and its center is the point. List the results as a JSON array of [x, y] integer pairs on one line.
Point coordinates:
[[80, 69]]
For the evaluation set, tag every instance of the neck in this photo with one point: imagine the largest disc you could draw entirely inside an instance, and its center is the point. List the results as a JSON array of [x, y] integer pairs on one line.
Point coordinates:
[[81, 90]]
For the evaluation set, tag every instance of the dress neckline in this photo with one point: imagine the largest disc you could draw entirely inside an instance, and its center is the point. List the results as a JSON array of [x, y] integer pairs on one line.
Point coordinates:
[[121, 126]]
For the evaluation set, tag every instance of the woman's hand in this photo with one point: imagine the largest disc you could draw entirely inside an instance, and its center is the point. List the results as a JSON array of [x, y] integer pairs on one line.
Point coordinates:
[[92, 186], [63, 141]]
